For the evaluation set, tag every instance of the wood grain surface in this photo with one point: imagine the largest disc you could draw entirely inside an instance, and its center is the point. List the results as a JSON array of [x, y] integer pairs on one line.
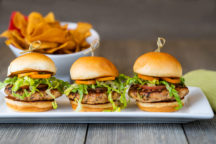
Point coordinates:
[[127, 29], [135, 133], [42, 133], [201, 132]]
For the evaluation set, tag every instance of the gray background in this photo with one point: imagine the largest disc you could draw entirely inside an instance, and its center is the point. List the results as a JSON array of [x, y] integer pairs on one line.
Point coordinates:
[[127, 19]]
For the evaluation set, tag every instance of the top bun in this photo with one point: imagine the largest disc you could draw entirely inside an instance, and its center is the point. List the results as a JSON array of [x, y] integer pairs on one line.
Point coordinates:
[[158, 64], [31, 62], [92, 67]]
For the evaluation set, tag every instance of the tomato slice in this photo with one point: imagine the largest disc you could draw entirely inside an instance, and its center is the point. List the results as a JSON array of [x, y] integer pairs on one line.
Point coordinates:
[[147, 77], [171, 80], [85, 82], [158, 87], [105, 79]]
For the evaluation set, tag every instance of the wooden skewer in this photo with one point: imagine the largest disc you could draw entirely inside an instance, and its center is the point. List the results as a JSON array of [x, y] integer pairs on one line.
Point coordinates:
[[160, 43], [93, 47], [32, 47]]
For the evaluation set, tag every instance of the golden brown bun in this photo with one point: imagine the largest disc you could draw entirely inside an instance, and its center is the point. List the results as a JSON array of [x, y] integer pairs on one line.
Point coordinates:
[[158, 64], [31, 62], [158, 107], [92, 67], [92, 108], [29, 106]]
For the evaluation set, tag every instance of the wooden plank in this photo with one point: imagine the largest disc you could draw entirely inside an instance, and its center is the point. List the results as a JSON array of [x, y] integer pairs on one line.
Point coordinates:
[[135, 133], [202, 132], [42, 133]]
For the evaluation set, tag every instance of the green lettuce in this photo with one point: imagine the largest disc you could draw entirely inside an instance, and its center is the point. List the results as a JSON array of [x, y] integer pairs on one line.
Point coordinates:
[[17, 83], [169, 86], [117, 85], [173, 92]]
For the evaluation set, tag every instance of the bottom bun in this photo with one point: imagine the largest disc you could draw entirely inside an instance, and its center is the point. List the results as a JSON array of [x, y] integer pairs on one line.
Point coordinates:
[[92, 108], [159, 107], [21, 106]]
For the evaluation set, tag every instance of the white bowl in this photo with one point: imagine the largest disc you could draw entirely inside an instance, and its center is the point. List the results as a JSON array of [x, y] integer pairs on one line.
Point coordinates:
[[64, 61]]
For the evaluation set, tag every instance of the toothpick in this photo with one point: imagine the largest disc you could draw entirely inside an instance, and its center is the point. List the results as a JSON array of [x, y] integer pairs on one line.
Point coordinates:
[[160, 43], [94, 45], [32, 47]]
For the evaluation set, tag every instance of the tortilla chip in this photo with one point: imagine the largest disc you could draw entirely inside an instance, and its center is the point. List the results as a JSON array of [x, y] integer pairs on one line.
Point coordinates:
[[6, 34], [54, 37], [77, 48], [15, 38], [66, 45], [50, 17], [81, 32], [85, 44], [14, 43], [19, 39], [20, 22], [66, 51], [34, 19], [45, 45], [8, 42], [55, 24], [40, 29], [51, 35], [64, 27]]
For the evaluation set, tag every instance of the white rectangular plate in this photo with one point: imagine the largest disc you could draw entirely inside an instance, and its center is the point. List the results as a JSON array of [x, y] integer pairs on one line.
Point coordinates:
[[196, 108]]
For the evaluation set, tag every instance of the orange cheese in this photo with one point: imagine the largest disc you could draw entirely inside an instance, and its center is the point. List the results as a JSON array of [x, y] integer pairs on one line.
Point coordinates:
[[85, 82], [147, 77], [105, 79], [172, 80]]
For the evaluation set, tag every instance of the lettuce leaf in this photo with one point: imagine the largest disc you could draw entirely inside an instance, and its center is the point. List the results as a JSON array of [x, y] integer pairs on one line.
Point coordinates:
[[173, 92], [169, 86], [17, 83], [118, 85]]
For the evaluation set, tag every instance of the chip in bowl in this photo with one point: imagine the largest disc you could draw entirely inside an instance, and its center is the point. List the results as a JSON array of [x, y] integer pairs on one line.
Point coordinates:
[[54, 37]]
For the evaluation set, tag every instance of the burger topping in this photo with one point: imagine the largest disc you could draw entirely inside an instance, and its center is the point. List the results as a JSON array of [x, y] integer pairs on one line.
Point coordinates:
[[105, 79], [34, 75], [150, 78], [93, 81], [29, 86], [41, 86], [161, 94], [173, 93], [118, 86], [40, 76], [37, 96], [94, 96], [147, 77], [159, 84], [152, 88], [27, 74], [87, 82], [172, 80]]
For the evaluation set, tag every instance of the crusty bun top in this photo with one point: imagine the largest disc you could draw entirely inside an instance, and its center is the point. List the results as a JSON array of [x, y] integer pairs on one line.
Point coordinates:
[[158, 64], [92, 67], [31, 62]]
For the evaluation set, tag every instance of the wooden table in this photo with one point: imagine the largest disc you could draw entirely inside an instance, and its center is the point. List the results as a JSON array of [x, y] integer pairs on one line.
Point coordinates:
[[122, 47]]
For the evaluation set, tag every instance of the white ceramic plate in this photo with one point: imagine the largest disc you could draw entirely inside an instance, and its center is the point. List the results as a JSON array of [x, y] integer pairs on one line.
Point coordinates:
[[196, 108]]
